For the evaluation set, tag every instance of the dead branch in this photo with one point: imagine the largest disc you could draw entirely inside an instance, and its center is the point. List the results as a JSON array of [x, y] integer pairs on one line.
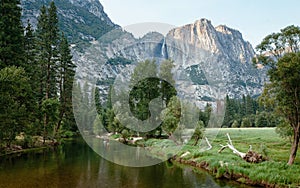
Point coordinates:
[[209, 145], [250, 156]]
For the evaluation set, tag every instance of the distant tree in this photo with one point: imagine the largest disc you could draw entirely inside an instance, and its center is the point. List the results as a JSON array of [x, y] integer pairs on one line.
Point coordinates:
[[235, 124], [280, 52], [125, 135], [97, 125], [97, 101], [204, 116], [261, 120], [199, 132], [112, 124], [249, 105], [229, 112], [246, 122]]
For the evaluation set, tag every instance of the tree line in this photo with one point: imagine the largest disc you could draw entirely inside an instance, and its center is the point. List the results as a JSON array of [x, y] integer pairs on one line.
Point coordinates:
[[248, 112], [36, 76]]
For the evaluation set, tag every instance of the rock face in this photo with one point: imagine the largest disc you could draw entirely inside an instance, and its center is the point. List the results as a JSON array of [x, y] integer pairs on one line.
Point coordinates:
[[216, 60], [217, 57], [81, 20]]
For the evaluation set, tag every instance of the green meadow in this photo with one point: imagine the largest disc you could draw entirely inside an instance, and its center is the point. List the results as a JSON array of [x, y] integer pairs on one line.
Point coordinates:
[[273, 172]]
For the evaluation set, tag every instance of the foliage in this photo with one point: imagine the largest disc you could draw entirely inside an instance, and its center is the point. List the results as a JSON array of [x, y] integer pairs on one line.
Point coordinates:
[[118, 61], [11, 34], [199, 132], [13, 103], [171, 115], [283, 91], [37, 75], [246, 122], [196, 75], [235, 124], [284, 129], [250, 111]]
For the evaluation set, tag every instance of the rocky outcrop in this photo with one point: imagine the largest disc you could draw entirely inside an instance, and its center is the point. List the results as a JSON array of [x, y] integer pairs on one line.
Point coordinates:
[[220, 55], [82, 21]]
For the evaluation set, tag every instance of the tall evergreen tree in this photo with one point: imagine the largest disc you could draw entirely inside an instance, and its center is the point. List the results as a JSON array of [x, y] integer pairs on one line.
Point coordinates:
[[48, 58], [229, 112], [11, 34], [66, 76], [30, 51], [54, 39], [249, 105]]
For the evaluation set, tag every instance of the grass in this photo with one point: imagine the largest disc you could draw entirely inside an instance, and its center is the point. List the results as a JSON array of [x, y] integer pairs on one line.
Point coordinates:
[[274, 171]]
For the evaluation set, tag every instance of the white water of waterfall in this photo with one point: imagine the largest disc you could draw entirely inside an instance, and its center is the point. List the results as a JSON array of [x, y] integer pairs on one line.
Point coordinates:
[[163, 48]]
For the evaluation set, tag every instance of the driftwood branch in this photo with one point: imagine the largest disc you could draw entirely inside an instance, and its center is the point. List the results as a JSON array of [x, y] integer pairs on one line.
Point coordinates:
[[250, 156], [209, 145], [230, 146]]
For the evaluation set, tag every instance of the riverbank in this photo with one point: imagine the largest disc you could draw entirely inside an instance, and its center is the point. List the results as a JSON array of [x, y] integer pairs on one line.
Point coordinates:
[[271, 173], [23, 145]]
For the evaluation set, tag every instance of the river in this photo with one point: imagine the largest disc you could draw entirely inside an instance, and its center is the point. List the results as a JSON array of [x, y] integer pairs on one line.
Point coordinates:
[[74, 164]]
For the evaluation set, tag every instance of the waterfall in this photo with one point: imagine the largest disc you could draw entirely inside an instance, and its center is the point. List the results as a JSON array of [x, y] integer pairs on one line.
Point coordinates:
[[163, 49]]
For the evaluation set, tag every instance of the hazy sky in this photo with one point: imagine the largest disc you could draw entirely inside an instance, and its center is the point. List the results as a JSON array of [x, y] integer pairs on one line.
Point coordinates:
[[253, 18]]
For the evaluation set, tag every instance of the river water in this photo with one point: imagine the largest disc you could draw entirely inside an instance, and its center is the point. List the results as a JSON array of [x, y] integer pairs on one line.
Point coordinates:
[[74, 164]]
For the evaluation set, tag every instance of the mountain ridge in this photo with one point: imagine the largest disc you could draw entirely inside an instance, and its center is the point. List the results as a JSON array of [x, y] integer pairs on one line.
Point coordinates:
[[213, 58], [81, 21]]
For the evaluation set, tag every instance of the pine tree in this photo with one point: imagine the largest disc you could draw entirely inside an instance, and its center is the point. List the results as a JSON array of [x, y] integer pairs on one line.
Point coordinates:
[[97, 101], [30, 51], [249, 105], [11, 34], [66, 75], [229, 112], [48, 59], [54, 39]]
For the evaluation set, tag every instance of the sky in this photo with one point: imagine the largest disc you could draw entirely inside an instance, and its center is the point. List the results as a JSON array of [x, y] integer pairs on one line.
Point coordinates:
[[255, 19]]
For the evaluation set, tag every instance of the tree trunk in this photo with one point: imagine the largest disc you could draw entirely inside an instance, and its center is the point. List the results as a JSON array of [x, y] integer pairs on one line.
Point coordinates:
[[196, 141], [294, 146]]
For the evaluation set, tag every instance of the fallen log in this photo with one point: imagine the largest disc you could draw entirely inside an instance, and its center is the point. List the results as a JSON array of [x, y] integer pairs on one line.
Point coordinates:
[[250, 156]]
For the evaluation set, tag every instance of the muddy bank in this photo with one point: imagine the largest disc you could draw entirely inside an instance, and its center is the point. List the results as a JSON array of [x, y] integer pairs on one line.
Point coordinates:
[[223, 174]]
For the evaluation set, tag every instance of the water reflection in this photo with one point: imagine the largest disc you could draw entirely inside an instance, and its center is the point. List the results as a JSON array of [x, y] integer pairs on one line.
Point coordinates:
[[74, 164]]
